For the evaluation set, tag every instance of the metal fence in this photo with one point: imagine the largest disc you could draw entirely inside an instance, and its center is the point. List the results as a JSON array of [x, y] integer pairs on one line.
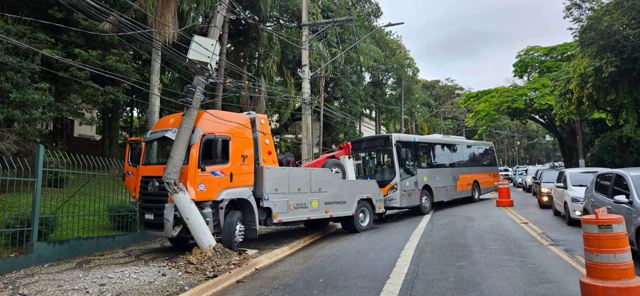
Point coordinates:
[[58, 196]]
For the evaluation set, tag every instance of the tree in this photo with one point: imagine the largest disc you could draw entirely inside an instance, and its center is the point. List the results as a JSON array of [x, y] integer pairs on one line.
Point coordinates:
[[607, 70], [540, 97]]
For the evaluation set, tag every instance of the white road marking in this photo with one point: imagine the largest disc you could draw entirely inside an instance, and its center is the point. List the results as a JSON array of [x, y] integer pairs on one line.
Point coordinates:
[[396, 278]]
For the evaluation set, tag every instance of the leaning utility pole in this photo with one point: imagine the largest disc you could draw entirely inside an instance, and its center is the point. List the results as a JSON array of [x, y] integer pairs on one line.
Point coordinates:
[[307, 141], [181, 197]]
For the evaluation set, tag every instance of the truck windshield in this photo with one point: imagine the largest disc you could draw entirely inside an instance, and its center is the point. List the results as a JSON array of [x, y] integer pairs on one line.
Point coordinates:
[[156, 152], [375, 164]]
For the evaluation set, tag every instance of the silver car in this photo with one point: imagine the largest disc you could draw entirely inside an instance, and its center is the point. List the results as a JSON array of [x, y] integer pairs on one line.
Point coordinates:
[[618, 191]]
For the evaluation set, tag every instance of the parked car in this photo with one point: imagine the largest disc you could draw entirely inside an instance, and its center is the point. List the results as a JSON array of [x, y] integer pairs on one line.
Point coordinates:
[[519, 177], [528, 179], [546, 182], [617, 190], [536, 182], [568, 194], [506, 173]]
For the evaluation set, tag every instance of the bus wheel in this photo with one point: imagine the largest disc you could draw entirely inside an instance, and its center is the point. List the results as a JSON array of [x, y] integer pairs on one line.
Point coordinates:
[[426, 203], [475, 192], [336, 167], [361, 221], [233, 230]]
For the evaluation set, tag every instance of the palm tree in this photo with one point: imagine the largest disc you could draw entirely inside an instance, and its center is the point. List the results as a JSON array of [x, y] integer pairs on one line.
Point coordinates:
[[163, 20]]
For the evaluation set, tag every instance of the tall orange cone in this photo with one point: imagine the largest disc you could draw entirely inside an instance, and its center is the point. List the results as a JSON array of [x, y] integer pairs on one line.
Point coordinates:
[[607, 257], [504, 195]]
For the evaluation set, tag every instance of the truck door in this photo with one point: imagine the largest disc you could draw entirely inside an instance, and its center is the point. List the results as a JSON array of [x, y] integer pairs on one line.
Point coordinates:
[[223, 162], [407, 167], [132, 156]]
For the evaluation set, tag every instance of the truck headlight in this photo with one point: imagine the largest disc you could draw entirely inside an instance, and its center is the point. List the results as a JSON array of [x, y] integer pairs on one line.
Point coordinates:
[[577, 200], [545, 190]]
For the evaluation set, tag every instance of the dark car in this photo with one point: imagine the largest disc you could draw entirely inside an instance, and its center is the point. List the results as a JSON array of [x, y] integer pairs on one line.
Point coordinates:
[[547, 182], [536, 182]]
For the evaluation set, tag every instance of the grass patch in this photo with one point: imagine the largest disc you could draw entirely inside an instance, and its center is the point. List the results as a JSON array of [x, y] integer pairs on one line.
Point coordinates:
[[88, 205]]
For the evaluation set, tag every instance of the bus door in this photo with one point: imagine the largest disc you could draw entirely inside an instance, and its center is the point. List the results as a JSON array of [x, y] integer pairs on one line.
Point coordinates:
[[407, 167], [438, 174]]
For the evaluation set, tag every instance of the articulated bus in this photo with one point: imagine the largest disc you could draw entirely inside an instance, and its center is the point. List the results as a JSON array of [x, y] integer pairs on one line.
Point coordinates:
[[416, 171]]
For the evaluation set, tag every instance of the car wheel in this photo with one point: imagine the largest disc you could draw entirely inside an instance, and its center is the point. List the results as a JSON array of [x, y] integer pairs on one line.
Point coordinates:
[[567, 216], [233, 230], [475, 193], [555, 211], [361, 221]]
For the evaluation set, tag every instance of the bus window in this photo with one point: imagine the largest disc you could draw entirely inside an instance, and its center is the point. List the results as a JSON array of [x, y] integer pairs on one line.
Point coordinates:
[[440, 155], [375, 163], [406, 159], [425, 156]]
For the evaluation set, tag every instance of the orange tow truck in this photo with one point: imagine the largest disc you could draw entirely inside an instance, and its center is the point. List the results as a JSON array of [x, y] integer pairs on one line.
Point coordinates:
[[232, 173]]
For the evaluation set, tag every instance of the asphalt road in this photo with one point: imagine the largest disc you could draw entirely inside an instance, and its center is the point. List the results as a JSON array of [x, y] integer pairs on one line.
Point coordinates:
[[465, 249]]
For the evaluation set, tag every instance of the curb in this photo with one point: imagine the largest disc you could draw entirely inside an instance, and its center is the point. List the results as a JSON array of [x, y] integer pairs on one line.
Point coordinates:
[[231, 277]]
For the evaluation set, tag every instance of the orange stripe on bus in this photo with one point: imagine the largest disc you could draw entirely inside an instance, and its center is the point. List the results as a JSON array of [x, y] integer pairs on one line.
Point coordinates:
[[465, 181]]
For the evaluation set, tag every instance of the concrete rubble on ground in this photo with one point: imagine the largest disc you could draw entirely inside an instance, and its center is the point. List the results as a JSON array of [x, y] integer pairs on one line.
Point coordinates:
[[149, 268]]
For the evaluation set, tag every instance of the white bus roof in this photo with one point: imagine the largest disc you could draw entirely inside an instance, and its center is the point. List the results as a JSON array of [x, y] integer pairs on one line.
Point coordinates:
[[436, 138]]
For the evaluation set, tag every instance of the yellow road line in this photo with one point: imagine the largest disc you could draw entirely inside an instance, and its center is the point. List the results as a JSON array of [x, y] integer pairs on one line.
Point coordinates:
[[524, 219], [512, 214]]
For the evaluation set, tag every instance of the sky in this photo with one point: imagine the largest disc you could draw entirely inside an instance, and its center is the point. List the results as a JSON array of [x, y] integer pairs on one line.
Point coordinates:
[[475, 42]]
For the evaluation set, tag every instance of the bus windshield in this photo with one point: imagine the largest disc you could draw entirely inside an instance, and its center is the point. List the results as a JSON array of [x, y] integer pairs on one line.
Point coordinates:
[[375, 163]]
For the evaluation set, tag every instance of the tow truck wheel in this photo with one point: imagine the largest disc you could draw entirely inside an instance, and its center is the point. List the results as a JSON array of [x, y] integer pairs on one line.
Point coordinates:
[[361, 221], [233, 230], [426, 203], [336, 167], [317, 224]]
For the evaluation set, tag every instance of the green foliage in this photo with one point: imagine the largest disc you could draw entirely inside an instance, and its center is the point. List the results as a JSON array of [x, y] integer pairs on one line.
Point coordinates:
[[17, 238], [607, 71]]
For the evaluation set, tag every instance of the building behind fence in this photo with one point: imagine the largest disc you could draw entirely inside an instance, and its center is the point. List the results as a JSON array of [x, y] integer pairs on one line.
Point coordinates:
[[58, 205]]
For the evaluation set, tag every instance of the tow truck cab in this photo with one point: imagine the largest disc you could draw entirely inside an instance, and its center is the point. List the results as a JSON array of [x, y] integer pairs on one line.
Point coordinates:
[[219, 170]]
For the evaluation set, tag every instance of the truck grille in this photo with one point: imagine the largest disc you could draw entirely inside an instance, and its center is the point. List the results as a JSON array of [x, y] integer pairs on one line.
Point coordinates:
[[153, 197]]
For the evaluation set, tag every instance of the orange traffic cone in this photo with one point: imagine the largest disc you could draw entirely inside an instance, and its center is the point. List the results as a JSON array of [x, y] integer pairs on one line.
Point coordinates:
[[607, 256], [504, 195]]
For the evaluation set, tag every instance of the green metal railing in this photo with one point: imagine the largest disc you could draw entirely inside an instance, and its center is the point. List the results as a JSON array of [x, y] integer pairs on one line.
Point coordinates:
[[59, 196]]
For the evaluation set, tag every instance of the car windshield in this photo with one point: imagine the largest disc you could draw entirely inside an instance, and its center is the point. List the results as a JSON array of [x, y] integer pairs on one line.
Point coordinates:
[[504, 170], [581, 179], [531, 172], [520, 173], [549, 176]]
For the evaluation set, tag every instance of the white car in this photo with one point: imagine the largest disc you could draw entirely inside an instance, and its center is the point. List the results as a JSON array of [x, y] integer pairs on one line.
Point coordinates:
[[568, 194]]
